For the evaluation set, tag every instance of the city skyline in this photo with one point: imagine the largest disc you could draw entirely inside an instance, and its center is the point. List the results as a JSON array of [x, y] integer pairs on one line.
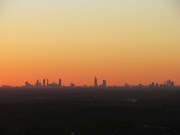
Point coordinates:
[[45, 83]]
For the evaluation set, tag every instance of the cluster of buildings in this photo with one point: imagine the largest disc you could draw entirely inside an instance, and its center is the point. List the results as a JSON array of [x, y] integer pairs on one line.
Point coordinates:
[[96, 84], [45, 84], [168, 83]]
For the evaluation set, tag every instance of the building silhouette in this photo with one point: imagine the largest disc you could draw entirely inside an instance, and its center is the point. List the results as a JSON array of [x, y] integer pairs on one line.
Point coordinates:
[[37, 83], [104, 83], [153, 85], [172, 84], [95, 82], [169, 82], [72, 85], [60, 83], [44, 82], [26, 84]]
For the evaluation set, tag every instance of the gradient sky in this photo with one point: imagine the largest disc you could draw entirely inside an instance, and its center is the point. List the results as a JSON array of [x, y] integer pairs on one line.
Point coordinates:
[[133, 41]]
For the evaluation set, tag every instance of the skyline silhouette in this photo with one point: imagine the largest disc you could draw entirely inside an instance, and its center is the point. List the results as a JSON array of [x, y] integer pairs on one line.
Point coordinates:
[[45, 84]]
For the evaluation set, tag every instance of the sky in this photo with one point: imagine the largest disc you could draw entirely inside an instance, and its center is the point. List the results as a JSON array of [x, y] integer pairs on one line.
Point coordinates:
[[121, 41]]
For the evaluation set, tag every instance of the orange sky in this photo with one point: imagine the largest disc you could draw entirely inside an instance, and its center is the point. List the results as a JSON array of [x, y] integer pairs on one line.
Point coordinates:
[[120, 41]]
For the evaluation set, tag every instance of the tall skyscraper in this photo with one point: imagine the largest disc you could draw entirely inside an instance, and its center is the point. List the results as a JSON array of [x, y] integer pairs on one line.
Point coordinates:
[[26, 84], [169, 82], [59, 82], [104, 83], [95, 82], [44, 82], [37, 83]]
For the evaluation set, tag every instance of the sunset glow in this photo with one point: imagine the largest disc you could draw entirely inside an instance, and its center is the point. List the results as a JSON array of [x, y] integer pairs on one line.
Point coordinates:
[[75, 40]]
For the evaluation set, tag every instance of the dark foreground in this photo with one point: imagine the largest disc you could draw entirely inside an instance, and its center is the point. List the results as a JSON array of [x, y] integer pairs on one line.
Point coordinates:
[[86, 111]]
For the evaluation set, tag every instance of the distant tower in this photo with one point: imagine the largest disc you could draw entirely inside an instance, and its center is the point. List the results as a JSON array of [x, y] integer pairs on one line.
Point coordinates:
[[72, 85], [169, 82], [153, 85], [26, 84], [37, 83], [47, 82], [95, 82], [172, 84], [157, 85], [59, 82], [44, 82], [104, 83]]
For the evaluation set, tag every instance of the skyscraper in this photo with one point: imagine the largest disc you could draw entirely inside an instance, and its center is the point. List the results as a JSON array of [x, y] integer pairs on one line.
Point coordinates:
[[26, 84], [104, 83], [95, 82], [59, 82], [44, 82], [169, 82], [37, 83], [153, 85]]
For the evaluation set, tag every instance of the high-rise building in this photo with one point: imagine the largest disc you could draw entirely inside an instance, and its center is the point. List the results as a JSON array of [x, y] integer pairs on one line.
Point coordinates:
[[169, 82], [37, 83], [153, 84], [72, 85], [95, 82], [157, 85], [44, 82], [104, 83], [172, 84], [59, 82], [26, 84]]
